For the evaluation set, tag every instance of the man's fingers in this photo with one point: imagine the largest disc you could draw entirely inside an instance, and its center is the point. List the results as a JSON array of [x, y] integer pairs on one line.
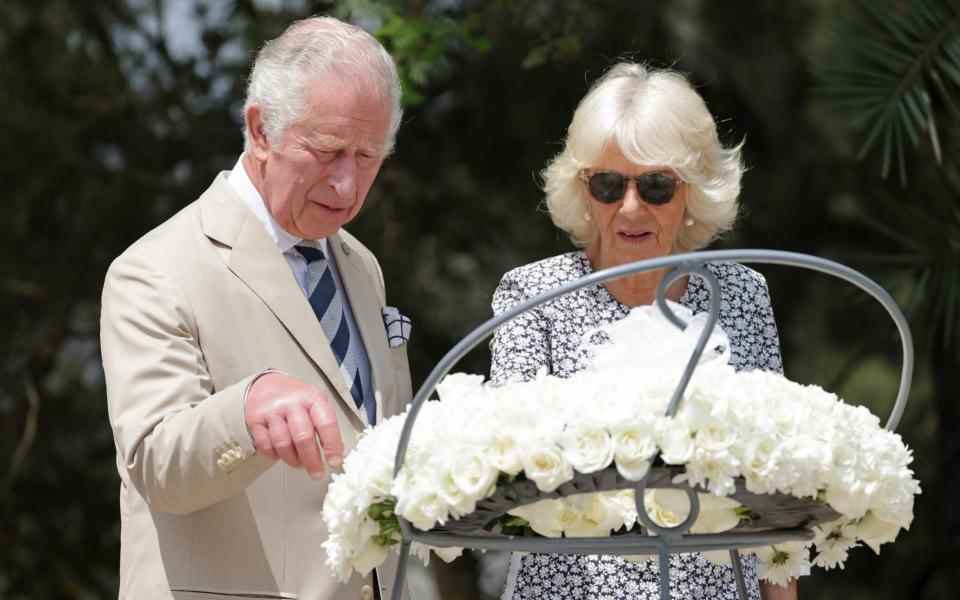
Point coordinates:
[[280, 439], [325, 422], [305, 442], [261, 441]]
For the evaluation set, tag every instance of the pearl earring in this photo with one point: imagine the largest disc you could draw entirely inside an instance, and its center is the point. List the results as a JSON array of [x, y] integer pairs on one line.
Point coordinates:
[[586, 216], [689, 222]]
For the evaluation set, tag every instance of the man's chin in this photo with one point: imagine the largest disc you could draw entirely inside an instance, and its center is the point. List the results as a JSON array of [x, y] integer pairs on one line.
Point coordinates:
[[323, 229]]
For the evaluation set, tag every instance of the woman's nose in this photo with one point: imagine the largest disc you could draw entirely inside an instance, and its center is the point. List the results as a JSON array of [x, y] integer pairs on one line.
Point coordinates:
[[632, 202]]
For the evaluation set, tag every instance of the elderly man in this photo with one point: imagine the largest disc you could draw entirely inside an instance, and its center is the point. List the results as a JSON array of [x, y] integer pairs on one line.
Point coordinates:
[[244, 340]]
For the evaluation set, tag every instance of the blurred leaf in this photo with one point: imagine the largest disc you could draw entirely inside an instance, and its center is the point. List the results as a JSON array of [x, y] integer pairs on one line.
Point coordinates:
[[892, 58]]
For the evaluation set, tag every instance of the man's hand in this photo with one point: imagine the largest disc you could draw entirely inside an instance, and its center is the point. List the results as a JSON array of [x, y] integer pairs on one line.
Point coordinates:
[[285, 416]]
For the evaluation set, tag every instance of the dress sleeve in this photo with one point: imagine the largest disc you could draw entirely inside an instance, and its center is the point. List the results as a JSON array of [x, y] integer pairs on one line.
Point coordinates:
[[767, 349], [520, 347]]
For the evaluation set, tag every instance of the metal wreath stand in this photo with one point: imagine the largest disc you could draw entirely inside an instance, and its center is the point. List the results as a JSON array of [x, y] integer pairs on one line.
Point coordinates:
[[777, 518]]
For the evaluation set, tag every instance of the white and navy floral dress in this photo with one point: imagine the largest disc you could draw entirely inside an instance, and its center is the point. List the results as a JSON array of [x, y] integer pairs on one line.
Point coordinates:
[[549, 337]]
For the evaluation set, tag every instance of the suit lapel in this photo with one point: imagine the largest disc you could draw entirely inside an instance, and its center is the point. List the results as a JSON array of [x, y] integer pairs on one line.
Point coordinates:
[[256, 260], [358, 285]]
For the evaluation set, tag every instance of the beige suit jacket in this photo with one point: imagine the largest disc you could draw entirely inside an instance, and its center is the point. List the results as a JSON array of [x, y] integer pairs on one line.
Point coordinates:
[[191, 312]]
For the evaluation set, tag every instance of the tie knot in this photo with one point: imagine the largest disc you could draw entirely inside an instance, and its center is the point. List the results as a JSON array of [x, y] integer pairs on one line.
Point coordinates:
[[310, 253]]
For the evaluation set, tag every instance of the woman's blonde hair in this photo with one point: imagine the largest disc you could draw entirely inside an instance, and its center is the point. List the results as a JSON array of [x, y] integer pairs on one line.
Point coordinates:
[[656, 118]]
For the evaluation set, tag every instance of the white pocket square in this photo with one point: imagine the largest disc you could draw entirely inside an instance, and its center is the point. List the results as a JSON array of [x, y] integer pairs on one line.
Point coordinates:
[[398, 326]]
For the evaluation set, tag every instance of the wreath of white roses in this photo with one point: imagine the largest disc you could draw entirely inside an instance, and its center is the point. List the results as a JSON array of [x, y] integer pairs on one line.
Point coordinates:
[[754, 428]]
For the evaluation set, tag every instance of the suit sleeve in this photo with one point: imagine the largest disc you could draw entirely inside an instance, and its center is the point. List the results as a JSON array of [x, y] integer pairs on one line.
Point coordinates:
[[184, 445], [520, 347]]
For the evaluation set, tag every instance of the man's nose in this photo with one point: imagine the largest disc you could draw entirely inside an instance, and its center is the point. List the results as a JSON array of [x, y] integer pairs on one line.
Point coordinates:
[[343, 176]]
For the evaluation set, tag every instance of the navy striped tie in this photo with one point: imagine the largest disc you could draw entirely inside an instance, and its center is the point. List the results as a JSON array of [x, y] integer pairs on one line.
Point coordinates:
[[328, 306]]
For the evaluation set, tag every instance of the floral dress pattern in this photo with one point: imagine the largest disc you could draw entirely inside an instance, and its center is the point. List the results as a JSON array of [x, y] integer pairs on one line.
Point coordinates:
[[549, 337]]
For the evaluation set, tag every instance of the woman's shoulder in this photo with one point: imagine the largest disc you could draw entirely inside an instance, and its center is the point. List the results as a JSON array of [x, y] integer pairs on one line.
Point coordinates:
[[542, 275], [733, 275]]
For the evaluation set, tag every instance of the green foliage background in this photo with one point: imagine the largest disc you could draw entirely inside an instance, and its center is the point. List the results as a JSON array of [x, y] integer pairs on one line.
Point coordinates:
[[117, 113]]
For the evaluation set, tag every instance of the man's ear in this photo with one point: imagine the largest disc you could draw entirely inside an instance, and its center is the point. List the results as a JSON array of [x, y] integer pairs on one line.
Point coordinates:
[[253, 119]]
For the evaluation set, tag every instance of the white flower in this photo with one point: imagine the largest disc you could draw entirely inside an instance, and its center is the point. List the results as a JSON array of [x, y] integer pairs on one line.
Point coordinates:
[[504, 454], [459, 386], [544, 517], [873, 531], [547, 467], [675, 440], [422, 551], [778, 436], [647, 340], [587, 448], [833, 544], [474, 476], [623, 502], [783, 562], [634, 447], [850, 500], [716, 514], [370, 556], [590, 515], [712, 470]]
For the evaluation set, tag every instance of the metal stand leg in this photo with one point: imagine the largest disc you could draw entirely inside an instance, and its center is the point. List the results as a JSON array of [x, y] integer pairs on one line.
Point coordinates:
[[738, 574], [664, 573], [401, 579]]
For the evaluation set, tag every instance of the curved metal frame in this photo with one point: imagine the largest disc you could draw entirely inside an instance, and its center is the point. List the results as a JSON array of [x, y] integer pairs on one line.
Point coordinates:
[[673, 539]]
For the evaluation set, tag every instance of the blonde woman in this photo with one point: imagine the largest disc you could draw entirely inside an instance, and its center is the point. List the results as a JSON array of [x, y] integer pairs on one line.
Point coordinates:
[[642, 175]]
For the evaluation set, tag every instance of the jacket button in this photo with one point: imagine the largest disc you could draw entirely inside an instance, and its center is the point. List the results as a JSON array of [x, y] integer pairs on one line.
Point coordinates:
[[366, 593]]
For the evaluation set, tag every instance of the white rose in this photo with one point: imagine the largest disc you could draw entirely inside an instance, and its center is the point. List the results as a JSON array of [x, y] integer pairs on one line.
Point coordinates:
[[715, 437], [660, 514], [457, 502], [505, 454], [588, 449], [634, 445], [423, 509], [716, 514], [547, 467], [675, 440], [474, 476]]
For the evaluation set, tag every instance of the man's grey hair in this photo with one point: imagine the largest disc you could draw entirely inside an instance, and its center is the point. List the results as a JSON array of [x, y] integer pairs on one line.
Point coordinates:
[[655, 118], [312, 48]]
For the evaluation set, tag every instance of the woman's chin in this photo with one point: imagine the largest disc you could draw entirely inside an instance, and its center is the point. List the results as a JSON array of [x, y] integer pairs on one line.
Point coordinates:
[[633, 250]]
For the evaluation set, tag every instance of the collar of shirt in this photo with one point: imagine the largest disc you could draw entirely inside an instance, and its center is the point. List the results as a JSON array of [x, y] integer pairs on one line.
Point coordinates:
[[240, 182]]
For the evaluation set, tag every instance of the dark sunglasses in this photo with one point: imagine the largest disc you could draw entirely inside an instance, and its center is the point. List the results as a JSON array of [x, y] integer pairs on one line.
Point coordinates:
[[655, 187]]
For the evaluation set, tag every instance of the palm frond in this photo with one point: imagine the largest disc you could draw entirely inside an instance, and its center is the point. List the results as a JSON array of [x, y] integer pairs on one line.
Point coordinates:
[[923, 256], [896, 75]]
